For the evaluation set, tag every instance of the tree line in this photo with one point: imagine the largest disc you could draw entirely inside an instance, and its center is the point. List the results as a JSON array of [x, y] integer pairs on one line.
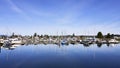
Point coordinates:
[[101, 36]]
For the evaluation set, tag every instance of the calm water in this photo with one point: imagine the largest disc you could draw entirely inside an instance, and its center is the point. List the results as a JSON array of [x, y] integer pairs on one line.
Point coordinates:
[[54, 56]]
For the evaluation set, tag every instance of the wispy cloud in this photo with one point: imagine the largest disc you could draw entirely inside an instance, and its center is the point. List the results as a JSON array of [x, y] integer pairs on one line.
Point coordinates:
[[14, 7], [17, 9], [74, 16], [41, 13]]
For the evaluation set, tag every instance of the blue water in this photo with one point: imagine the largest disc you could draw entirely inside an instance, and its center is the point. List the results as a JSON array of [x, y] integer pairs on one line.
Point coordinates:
[[64, 56]]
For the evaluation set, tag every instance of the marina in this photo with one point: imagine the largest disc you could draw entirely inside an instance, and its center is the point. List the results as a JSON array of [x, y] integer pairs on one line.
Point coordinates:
[[59, 34], [59, 40]]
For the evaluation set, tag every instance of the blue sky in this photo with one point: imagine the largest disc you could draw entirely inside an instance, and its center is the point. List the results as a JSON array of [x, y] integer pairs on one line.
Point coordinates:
[[59, 16]]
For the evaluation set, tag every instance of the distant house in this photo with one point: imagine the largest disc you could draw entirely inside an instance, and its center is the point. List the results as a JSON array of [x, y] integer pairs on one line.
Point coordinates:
[[3, 36], [88, 36], [117, 36]]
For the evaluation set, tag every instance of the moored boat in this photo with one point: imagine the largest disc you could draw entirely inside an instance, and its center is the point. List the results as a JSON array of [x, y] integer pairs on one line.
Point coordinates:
[[15, 41], [64, 42]]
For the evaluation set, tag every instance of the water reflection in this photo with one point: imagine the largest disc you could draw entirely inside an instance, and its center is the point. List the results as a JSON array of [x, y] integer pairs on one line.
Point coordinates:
[[86, 45], [60, 56], [0, 49], [12, 47], [99, 45]]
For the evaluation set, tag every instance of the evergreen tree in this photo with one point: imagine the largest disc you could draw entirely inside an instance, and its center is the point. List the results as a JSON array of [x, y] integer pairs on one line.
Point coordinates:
[[46, 36], [73, 34], [99, 35], [41, 36], [35, 34], [112, 35], [13, 34], [108, 36]]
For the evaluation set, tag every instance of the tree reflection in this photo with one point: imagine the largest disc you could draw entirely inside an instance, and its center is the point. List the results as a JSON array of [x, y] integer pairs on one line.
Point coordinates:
[[99, 45], [12, 47], [86, 45], [0, 46], [108, 44], [0, 49]]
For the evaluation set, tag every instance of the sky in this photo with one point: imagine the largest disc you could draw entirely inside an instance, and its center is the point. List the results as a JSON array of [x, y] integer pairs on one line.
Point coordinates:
[[56, 17]]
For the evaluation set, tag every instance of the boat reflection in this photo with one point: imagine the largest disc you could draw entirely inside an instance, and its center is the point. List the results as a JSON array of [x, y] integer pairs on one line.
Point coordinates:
[[12, 47]]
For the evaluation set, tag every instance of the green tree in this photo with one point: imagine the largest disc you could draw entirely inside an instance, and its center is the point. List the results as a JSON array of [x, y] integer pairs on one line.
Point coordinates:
[[99, 35], [73, 35], [46, 36], [35, 34], [13, 34], [41, 36], [108, 36], [112, 35]]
